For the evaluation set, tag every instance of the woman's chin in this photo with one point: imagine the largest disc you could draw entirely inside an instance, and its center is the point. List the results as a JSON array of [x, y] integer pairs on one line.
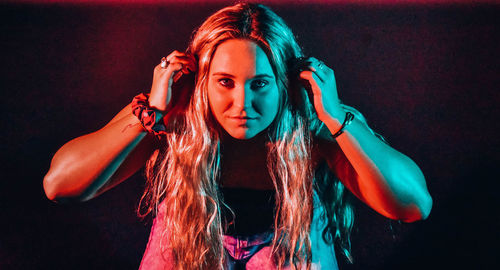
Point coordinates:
[[242, 133]]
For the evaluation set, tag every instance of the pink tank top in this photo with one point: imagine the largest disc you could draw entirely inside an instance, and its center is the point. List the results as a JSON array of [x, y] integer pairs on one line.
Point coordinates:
[[156, 259]]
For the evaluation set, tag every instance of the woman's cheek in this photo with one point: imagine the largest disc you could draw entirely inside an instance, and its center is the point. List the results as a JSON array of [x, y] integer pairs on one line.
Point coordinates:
[[272, 102]]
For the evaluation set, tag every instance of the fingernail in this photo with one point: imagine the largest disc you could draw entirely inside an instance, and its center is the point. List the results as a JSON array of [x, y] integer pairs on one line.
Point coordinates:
[[177, 76]]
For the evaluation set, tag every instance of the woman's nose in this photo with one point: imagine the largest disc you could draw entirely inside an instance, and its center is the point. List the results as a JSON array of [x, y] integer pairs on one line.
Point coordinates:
[[242, 97]]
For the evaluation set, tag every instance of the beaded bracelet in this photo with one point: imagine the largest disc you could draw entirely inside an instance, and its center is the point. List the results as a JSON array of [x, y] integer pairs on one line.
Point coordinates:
[[147, 115], [348, 119]]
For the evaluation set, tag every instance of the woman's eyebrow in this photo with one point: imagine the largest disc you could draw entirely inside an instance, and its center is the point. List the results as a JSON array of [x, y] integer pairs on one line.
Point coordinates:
[[223, 74], [232, 76], [264, 75]]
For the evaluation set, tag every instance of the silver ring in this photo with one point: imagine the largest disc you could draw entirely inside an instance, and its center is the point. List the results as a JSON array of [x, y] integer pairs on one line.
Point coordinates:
[[164, 62], [320, 65]]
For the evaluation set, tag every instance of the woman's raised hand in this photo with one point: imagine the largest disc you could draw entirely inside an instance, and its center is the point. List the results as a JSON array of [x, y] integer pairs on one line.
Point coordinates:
[[321, 80], [164, 77]]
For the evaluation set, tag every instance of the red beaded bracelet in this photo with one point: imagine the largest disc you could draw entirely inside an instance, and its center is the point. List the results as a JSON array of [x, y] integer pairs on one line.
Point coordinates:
[[147, 115]]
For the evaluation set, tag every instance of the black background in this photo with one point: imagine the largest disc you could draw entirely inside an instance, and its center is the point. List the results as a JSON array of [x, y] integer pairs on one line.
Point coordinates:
[[424, 75]]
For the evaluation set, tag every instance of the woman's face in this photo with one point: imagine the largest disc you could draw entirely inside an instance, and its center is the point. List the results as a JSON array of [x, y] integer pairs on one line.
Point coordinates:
[[242, 89]]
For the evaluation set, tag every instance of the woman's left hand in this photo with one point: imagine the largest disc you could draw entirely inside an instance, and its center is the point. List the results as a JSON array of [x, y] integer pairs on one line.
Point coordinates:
[[383, 178], [321, 80]]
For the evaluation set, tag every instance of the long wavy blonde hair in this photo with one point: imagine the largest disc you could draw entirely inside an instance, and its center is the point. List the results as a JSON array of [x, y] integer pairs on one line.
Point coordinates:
[[184, 173]]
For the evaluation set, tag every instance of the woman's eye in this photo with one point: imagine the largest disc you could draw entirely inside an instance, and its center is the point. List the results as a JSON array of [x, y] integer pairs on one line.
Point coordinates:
[[259, 84], [226, 83]]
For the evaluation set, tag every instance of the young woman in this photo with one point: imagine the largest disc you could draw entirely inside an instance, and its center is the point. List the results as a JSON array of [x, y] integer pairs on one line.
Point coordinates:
[[248, 151]]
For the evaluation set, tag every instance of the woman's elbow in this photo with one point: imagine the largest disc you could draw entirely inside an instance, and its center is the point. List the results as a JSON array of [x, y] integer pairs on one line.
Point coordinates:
[[415, 197], [426, 205], [420, 210], [53, 186], [49, 186]]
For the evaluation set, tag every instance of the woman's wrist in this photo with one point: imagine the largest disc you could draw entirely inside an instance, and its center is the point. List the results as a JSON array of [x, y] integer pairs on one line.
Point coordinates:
[[150, 117], [337, 125], [155, 105], [333, 119]]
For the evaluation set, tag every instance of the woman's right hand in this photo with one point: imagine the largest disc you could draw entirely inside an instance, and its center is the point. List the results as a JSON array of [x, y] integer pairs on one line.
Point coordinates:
[[163, 78], [91, 164]]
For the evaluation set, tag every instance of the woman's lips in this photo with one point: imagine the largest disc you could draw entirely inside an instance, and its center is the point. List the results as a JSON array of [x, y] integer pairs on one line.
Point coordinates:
[[242, 117], [241, 120]]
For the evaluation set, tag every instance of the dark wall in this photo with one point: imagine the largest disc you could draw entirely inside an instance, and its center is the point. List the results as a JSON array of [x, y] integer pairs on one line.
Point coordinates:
[[425, 77]]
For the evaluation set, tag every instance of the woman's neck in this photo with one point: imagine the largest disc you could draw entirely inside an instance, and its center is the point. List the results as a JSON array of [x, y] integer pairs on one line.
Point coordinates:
[[244, 162], [258, 140]]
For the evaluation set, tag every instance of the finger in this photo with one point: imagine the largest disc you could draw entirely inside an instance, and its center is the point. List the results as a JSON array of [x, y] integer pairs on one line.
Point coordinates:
[[175, 66], [320, 69], [173, 54], [165, 75], [312, 64], [317, 89], [182, 66], [188, 64], [193, 66], [176, 71], [312, 79], [306, 75]]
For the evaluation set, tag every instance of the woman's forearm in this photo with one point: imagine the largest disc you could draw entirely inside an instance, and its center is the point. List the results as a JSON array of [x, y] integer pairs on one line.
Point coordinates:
[[90, 164], [386, 180]]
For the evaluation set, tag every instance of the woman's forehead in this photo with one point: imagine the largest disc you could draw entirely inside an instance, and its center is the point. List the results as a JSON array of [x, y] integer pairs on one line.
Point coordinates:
[[240, 57]]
